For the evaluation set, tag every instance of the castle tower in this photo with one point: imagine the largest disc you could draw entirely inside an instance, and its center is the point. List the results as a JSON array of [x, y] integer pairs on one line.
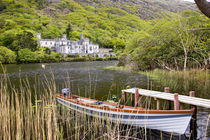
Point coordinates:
[[81, 36], [64, 36]]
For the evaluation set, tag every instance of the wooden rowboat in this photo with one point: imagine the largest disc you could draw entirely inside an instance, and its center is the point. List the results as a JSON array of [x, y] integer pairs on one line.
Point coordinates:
[[173, 121]]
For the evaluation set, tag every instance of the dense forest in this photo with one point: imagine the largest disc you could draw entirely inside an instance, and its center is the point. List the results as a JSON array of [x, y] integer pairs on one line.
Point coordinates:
[[167, 40]]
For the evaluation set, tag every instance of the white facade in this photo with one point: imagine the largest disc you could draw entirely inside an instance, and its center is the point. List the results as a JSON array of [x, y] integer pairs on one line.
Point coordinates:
[[64, 46]]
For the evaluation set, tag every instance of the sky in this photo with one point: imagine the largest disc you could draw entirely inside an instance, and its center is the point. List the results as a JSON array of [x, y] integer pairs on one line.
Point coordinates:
[[194, 1], [190, 0]]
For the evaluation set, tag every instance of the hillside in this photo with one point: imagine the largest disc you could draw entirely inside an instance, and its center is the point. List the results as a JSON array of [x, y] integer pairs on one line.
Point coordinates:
[[145, 9], [110, 23]]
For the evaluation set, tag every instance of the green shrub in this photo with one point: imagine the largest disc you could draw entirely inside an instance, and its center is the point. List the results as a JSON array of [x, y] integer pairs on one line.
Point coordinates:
[[99, 59], [54, 57], [26, 56], [7, 55]]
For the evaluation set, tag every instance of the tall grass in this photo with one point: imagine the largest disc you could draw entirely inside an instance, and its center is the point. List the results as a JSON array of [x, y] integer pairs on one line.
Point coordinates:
[[183, 81], [25, 114]]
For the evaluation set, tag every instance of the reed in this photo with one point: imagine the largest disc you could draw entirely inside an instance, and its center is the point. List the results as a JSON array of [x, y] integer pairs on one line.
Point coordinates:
[[183, 81]]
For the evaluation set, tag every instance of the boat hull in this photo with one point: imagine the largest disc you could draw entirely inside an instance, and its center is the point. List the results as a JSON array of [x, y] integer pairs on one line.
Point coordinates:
[[173, 123]]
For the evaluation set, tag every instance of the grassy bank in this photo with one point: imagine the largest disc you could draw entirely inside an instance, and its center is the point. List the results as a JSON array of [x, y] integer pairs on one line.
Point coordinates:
[[178, 81], [81, 59], [86, 58], [183, 81], [116, 68]]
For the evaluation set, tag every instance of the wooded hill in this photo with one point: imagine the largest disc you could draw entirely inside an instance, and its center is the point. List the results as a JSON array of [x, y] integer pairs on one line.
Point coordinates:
[[111, 23]]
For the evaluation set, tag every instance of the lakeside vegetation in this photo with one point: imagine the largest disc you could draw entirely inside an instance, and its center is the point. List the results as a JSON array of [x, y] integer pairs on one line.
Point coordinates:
[[43, 55], [183, 81], [176, 43], [179, 81]]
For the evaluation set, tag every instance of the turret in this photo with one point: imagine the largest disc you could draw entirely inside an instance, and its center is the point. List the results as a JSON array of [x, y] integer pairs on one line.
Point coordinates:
[[38, 36], [81, 36], [64, 36]]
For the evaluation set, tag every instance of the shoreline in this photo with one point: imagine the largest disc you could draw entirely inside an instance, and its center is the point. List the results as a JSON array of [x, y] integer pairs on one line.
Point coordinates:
[[194, 79], [73, 60]]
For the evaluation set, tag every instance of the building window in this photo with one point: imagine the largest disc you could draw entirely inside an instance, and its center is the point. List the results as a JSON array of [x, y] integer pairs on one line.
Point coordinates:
[[90, 48], [45, 43]]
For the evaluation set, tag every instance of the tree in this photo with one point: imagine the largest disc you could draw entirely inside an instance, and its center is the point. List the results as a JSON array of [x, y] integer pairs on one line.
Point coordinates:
[[69, 31], [55, 57], [26, 40], [187, 40], [2, 5], [75, 35], [6, 55], [41, 3], [204, 6], [26, 56], [170, 44]]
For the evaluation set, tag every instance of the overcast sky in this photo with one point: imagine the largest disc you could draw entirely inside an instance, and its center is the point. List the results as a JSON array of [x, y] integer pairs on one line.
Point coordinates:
[[194, 1], [190, 0]]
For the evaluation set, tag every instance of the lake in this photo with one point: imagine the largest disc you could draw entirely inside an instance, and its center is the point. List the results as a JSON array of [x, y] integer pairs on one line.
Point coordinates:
[[91, 80]]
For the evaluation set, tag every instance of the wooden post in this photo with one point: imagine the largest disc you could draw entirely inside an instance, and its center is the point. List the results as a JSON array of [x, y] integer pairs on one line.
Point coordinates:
[[139, 102], [124, 97], [192, 93], [136, 96], [167, 90], [158, 104], [193, 122], [176, 101], [132, 99]]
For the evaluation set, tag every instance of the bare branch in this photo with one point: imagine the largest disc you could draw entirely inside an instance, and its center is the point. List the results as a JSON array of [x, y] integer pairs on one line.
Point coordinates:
[[198, 29]]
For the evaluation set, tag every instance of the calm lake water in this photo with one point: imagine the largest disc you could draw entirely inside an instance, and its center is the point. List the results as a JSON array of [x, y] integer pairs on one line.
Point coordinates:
[[91, 80]]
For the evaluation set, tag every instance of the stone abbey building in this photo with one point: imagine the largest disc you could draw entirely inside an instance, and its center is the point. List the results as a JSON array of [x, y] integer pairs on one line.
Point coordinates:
[[62, 45]]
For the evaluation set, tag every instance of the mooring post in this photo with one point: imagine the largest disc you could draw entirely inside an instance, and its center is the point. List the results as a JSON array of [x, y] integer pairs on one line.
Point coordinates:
[[176, 101], [132, 99], [124, 96], [158, 104], [193, 122], [167, 90], [136, 96]]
